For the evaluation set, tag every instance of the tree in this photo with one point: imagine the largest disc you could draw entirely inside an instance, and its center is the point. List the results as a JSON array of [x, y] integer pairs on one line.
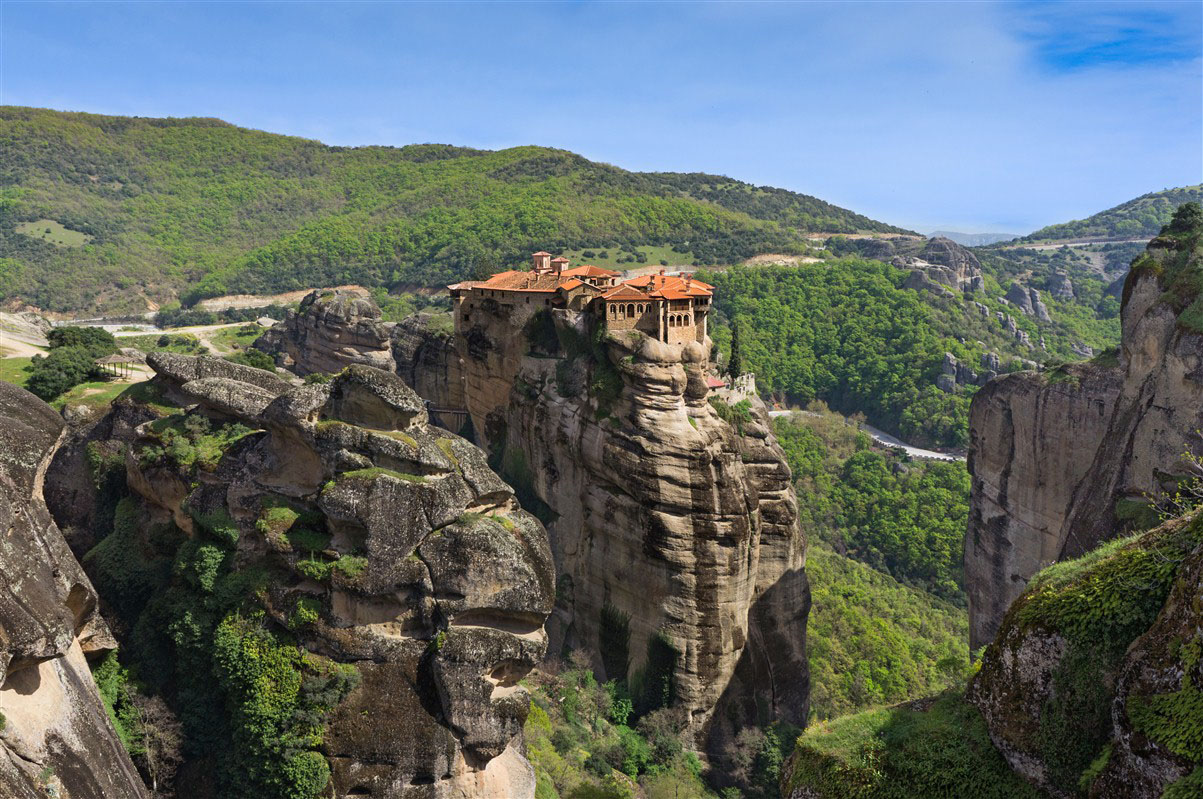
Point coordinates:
[[1187, 219], [735, 364]]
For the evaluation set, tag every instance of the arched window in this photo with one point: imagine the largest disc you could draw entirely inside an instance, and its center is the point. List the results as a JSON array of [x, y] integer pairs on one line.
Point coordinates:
[[613, 312], [630, 310]]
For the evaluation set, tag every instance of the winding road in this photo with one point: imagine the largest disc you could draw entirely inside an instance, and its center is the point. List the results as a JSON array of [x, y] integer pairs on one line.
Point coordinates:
[[887, 440]]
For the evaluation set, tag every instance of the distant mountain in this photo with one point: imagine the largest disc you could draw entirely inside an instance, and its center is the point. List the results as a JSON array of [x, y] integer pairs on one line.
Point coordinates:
[[1141, 218], [100, 212], [972, 239]]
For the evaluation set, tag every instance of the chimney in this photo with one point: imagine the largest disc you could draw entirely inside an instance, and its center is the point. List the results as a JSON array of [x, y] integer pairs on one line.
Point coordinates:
[[662, 272]]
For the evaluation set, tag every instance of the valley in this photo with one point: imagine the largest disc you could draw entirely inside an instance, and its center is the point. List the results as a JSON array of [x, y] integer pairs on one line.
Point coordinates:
[[780, 523]]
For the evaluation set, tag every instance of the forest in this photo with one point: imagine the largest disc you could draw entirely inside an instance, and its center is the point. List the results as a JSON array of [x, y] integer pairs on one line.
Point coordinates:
[[846, 333], [1138, 218]]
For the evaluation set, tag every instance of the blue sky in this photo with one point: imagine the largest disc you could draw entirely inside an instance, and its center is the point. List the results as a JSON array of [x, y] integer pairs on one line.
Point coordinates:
[[976, 116]]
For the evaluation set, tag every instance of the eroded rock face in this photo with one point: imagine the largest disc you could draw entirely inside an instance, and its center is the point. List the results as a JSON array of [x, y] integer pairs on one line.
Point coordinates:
[[56, 739], [331, 329], [656, 508], [428, 361], [429, 577], [1053, 455]]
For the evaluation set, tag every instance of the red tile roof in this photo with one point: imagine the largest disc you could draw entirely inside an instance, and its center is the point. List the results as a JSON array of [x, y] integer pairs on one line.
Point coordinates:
[[589, 270], [540, 252], [521, 281], [624, 291], [715, 382], [671, 287]]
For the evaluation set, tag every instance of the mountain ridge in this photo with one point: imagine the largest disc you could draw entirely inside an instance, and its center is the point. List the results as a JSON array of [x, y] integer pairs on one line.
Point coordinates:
[[115, 213]]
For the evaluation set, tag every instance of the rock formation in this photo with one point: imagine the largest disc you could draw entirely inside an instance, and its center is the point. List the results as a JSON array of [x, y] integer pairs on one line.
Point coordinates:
[[1028, 301], [426, 359], [1093, 682], [1061, 459], [953, 373], [658, 509], [1060, 286], [55, 737], [398, 560], [329, 330]]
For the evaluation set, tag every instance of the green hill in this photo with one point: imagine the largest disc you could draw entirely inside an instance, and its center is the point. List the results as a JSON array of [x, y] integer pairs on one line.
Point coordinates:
[[100, 212], [1139, 218]]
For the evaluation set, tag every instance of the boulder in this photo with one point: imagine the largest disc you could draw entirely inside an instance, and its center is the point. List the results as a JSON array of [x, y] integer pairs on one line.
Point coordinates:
[[330, 329]]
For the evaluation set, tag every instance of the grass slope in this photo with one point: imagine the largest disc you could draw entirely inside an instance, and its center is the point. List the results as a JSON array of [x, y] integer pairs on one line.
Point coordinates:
[[198, 207], [1138, 218], [873, 641]]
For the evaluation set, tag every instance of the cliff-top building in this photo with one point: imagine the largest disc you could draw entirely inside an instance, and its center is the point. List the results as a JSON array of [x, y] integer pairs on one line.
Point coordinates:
[[670, 308]]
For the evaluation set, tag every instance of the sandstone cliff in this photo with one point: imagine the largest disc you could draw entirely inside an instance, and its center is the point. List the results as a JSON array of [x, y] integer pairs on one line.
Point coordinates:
[[1061, 460], [660, 512], [55, 737], [331, 517]]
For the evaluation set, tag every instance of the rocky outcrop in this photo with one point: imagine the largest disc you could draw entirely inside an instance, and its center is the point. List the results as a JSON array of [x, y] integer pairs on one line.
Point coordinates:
[[1028, 301], [393, 550], [426, 359], [55, 737], [657, 507], [1061, 459], [939, 265], [1060, 286], [953, 373], [1092, 684], [330, 329]]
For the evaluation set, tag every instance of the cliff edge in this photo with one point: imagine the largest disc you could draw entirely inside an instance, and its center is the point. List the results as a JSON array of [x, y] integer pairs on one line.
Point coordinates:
[[1063, 460], [55, 737]]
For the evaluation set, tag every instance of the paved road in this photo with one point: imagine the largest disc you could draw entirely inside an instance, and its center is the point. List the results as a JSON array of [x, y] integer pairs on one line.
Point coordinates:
[[890, 441], [1078, 243]]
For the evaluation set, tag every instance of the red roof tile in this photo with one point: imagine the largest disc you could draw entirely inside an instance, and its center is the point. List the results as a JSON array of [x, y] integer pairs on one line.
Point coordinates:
[[589, 270], [624, 291]]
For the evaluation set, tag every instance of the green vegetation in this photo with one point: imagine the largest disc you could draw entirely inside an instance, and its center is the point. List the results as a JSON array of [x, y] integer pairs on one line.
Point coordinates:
[[53, 233], [1101, 603], [172, 315], [872, 641], [201, 208], [251, 701], [237, 338], [845, 332], [905, 518], [185, 343], [191, 441], [585, 743], [1138, 218], [15, 370], [71, 360], [934, 748], [254, 358]]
